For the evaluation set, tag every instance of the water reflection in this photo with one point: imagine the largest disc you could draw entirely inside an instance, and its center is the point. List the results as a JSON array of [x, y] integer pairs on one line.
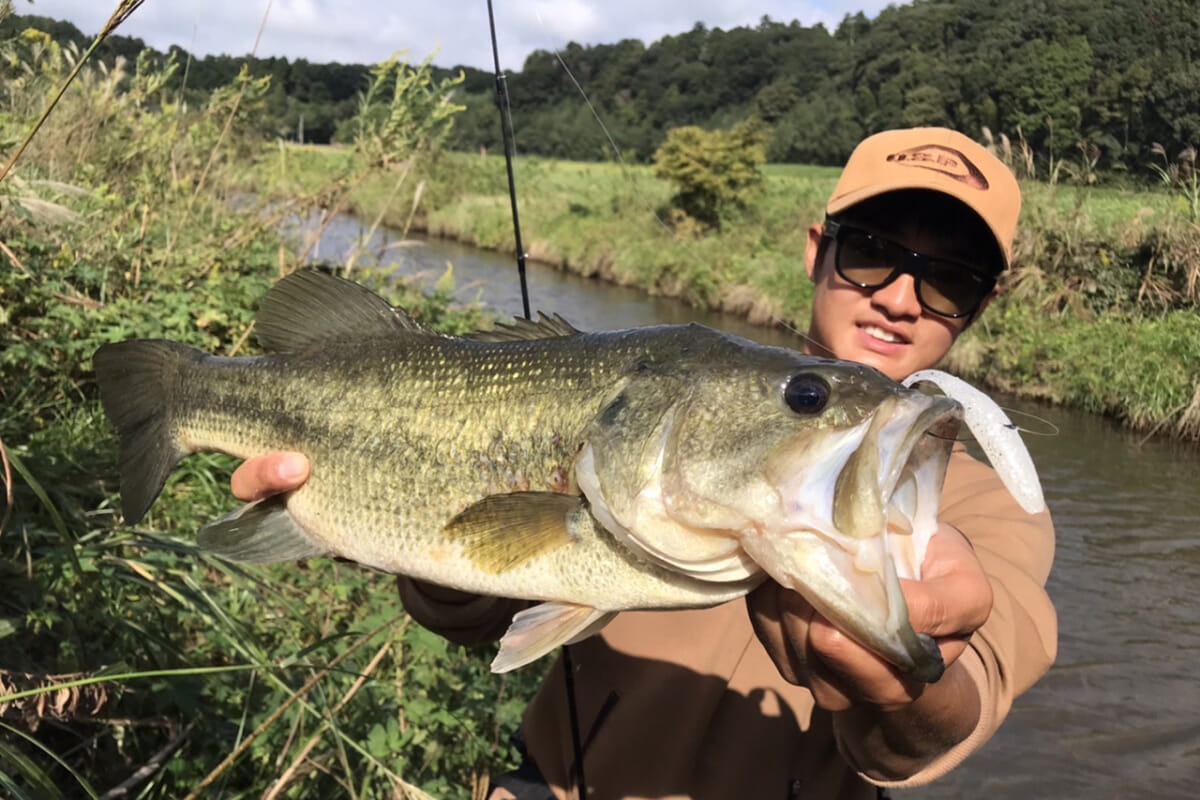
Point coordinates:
[[1119, 714], [589, 305]]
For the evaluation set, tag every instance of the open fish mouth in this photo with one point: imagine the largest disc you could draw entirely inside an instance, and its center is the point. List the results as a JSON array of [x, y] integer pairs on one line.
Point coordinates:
[[850, 535]]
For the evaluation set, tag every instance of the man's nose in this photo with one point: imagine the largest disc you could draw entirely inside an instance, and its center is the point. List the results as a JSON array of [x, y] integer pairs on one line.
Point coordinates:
[[898, 298]]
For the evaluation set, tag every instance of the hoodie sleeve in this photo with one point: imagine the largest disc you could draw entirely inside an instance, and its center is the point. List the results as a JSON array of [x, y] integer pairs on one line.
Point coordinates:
[[467, 619], [1019, 641]]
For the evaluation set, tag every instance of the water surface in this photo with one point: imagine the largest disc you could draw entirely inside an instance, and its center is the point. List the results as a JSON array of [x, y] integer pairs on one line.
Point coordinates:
[[1118, 715]]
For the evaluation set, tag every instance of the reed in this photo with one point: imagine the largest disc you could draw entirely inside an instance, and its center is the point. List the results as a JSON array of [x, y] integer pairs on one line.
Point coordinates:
[[130, 663]]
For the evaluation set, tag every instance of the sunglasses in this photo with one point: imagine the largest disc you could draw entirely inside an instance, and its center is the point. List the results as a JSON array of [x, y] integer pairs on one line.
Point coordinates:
[[946, 288]]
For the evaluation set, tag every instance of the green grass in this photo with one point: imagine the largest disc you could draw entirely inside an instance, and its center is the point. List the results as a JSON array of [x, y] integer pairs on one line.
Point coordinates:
[[125, 652], [1118, 260]]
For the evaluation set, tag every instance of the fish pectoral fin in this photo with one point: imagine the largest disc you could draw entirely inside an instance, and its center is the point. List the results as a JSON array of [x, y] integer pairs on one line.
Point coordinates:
[[260, 532], [504, 531], [538, 630]]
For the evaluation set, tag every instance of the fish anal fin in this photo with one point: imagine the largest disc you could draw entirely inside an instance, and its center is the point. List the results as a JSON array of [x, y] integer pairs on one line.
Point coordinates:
[[504, 531], [538, 630], [309, 308], [261, 532]]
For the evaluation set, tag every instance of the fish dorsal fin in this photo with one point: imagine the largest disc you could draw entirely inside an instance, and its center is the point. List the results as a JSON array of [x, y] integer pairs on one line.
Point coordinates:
[[546, 327], [504, 531], [309, 308]]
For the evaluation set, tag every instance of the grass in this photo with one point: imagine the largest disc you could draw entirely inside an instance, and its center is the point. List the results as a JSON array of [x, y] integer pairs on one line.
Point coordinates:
[[130, 662], [133, 663], [1120, 261]]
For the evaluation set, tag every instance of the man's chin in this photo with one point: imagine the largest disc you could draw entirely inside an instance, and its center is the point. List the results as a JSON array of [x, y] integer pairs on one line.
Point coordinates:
[[893, 364]]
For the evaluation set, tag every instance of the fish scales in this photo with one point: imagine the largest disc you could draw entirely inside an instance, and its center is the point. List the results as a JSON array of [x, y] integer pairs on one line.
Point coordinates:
[[402, 434], [663, 467]]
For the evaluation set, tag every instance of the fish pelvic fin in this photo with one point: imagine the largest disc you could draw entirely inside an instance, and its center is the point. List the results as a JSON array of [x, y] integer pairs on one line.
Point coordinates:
[[504, 531], [261, 532], [538, 630], [310, 308], [134, 378]]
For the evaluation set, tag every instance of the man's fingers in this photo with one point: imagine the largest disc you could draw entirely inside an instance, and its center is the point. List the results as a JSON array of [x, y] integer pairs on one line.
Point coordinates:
[[948, 606], [780, 619], [263, 475], [846, 673]]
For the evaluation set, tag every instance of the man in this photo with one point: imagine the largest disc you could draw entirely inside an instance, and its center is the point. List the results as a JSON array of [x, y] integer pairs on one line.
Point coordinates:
[[777, 703]]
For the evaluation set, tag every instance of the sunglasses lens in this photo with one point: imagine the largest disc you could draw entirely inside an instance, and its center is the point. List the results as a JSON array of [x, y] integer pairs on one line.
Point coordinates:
[[865, 260], [943, 287], [950, 289]]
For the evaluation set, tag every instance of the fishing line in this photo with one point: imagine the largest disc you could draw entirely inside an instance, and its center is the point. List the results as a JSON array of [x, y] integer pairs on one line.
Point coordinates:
[[506, 133], [964, 435], [1050, 428], [617, 157], [638, 194]]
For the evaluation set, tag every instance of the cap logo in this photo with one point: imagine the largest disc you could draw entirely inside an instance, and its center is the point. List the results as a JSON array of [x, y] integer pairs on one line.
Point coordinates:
[[945, 160]]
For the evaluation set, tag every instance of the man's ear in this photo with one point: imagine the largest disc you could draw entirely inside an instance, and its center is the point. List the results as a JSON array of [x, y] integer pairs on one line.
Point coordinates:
[[812, 247]]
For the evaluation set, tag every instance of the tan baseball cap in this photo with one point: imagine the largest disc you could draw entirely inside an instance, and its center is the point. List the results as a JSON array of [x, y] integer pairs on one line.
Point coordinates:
[[938, 159]]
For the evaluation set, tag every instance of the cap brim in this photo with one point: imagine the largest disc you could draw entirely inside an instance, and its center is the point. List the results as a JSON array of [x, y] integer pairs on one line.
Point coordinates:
[[931, 183]]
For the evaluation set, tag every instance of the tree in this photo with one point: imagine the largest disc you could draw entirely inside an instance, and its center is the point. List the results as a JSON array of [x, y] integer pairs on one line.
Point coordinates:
[[713, 171]]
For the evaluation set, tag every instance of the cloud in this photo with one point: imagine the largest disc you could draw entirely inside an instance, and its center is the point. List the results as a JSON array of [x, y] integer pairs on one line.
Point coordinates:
[[366, 31]]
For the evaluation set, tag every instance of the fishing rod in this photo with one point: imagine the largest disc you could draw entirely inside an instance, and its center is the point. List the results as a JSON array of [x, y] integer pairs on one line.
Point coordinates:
[[507, 135]]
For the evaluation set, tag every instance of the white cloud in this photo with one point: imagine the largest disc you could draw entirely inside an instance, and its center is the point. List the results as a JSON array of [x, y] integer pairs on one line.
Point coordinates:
[[365, 31]]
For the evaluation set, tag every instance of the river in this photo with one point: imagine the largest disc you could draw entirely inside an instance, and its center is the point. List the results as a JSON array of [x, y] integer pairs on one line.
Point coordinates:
[[1118, 715]]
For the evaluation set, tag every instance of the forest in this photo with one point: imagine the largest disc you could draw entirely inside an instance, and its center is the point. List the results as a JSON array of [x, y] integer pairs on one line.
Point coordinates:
[[156, 202], [1108, 87]]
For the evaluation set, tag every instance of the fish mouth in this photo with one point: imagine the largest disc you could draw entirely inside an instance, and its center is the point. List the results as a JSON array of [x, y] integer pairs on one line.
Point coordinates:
[[847, 552]]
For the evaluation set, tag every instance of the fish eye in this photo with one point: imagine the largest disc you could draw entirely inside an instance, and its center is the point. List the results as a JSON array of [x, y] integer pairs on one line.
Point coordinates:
[[806, 393]]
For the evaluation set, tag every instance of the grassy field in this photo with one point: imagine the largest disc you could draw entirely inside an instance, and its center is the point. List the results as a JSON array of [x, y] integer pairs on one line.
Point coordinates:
[[1098, 312], [135, 665], [132, 664]]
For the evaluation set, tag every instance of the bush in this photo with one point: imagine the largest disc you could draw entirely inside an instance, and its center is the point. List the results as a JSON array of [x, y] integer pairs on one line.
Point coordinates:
[[714, 172]]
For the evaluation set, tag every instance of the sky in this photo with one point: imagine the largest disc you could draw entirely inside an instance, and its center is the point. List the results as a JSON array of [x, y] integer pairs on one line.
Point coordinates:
[[455, 32]]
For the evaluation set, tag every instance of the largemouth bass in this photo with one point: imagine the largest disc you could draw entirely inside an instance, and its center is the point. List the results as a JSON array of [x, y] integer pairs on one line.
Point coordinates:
[[653, 468]]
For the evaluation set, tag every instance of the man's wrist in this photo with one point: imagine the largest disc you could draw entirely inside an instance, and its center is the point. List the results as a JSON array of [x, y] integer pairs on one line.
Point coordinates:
[[896, 743]]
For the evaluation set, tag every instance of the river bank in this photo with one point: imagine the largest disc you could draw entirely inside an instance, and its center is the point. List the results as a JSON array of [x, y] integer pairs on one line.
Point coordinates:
[[1099, 311]]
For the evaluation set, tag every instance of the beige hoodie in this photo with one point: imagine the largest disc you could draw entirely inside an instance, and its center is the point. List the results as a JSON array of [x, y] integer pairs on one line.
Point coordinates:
[[687, 704]]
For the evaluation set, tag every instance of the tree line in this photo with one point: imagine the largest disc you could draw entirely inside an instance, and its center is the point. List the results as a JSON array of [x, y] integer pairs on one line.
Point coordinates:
[[1093, 84]]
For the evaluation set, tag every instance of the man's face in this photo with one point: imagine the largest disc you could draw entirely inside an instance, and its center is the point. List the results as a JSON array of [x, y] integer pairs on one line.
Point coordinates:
[[886, 328]]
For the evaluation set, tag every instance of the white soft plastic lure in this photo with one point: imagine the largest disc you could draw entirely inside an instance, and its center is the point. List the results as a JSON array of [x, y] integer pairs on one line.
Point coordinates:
[[996, 434]]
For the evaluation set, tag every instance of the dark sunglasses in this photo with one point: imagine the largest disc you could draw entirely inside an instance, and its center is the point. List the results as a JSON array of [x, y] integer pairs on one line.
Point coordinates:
[[869, 261]]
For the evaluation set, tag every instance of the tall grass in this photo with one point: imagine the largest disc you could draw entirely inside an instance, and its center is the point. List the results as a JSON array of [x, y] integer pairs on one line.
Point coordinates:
[[1089, 263], [131, 664]]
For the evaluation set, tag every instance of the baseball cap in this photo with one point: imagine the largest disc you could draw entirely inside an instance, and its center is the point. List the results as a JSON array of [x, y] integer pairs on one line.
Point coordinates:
[[938, 159]]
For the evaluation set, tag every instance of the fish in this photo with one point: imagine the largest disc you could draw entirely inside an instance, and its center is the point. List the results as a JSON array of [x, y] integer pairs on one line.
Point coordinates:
[[589, 473]]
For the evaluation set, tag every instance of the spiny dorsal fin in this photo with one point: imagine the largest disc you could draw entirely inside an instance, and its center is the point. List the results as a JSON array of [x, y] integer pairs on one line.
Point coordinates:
[[546, 327], [310, 308], [503, 531]]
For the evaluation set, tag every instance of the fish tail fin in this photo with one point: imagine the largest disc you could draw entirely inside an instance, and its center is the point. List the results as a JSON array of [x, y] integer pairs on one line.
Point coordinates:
[[133, 377]]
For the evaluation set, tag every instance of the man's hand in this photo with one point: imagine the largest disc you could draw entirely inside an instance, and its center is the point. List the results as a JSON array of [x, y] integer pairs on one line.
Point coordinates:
[[952, 599], [265, 475]]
